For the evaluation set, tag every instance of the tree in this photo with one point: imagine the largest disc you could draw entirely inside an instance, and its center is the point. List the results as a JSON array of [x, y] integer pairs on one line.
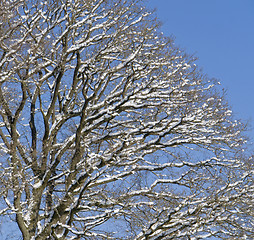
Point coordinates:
[[108, 131]]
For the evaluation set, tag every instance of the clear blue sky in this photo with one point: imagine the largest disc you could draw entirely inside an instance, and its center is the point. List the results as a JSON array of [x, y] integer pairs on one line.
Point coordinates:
[[221, 34]]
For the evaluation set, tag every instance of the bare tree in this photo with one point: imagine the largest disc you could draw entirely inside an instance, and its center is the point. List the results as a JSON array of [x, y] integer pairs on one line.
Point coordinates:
[[108, 131]]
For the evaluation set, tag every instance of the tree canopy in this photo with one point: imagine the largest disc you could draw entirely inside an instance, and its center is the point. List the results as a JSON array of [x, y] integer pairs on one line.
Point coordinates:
[[109, 131]]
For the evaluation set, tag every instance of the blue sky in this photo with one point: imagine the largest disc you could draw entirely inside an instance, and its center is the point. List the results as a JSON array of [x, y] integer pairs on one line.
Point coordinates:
[[221, 34]]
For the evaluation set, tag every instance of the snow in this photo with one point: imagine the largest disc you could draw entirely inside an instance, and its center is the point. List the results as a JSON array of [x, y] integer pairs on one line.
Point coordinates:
[[151, 138], [37, 185]]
